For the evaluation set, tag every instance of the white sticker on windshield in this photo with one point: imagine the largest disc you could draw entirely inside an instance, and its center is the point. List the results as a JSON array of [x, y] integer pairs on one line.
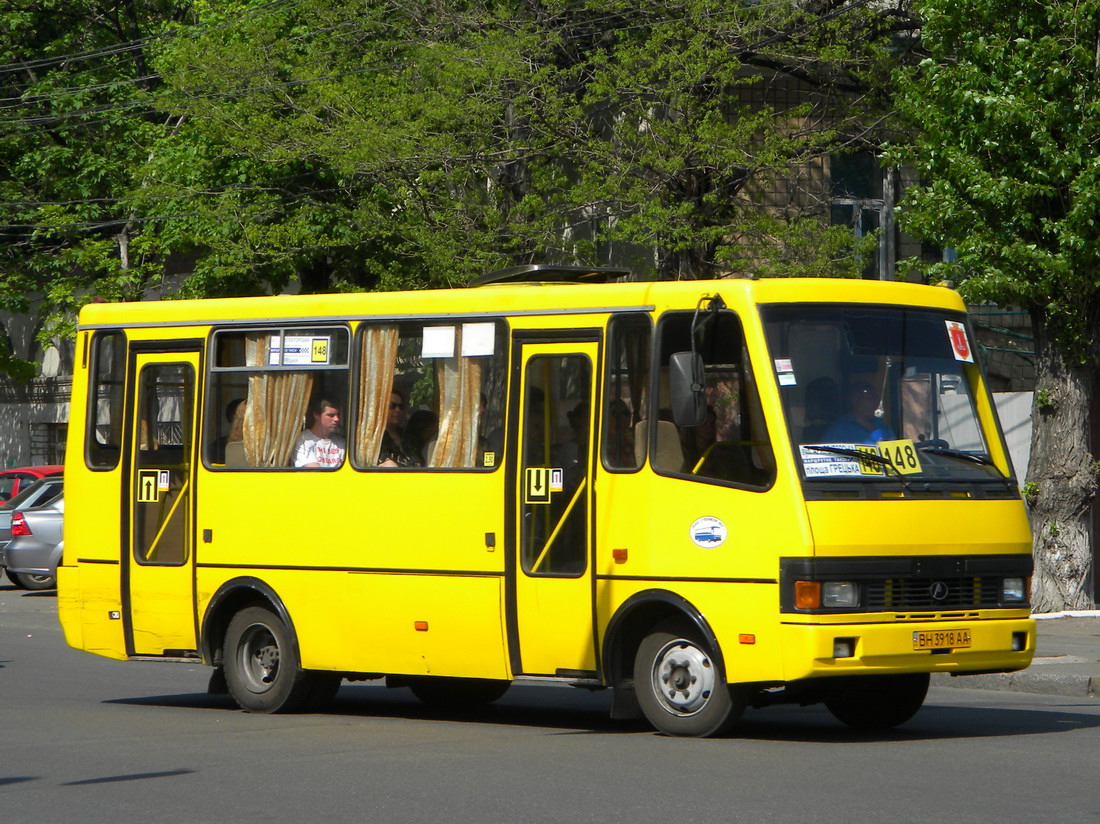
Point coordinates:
[[960, 344], [826, 460], [818, 464]]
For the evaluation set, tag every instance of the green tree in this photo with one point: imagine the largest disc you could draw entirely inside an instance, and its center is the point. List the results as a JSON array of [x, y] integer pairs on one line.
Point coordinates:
[[1007, 105], [376, 146], [74, 132], [205, 149]]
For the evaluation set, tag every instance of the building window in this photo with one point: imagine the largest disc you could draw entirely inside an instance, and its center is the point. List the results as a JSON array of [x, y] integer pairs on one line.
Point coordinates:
[[863, 199], [48, 443]]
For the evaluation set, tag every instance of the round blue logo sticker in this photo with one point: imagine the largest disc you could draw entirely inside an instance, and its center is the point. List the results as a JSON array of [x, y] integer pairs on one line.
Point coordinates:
[[708, 532]]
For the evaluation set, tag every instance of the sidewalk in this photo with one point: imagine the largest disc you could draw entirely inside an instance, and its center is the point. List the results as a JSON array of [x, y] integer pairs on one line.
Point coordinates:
[[1067, 660]]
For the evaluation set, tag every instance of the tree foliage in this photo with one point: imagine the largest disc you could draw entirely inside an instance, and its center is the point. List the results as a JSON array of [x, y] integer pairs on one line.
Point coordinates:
[[74, 137], [1006, 110], [239, 147]]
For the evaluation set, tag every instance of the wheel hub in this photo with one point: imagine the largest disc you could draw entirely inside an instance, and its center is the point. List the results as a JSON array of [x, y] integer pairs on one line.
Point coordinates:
[[684, 677], [259, 659]]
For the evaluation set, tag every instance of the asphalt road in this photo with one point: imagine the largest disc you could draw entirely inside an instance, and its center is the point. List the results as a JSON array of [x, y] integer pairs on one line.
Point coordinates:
[[85, 739]]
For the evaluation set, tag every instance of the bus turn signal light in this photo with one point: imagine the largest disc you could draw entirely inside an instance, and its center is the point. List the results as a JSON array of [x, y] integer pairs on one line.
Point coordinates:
[[807, 594], [420, 626]]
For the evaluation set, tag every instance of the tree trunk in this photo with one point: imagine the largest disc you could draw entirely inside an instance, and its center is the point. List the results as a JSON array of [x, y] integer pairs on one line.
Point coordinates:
[[1061, 477]]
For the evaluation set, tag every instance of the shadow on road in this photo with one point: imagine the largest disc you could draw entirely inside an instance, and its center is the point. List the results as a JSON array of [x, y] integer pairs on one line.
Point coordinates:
[[576, 712]]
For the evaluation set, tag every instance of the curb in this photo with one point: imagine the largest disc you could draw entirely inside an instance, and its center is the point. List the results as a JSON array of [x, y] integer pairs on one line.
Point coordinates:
[[1065, 684], [1073, 613]]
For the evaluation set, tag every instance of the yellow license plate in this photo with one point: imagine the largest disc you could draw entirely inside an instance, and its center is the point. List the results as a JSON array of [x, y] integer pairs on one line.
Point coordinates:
[[941, 639]]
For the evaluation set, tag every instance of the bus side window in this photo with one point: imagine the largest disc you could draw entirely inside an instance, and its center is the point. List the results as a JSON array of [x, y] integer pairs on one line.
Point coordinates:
[[262, 382], [105, 413], [429, 395], [732, 443], [626, 389]]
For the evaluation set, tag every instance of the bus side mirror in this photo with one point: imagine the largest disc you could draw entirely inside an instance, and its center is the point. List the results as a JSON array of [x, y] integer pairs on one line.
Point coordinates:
[[686, 383]]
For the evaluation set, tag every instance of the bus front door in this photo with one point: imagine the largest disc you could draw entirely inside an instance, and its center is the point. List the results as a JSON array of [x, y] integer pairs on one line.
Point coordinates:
[[159, 571], [552, 630]]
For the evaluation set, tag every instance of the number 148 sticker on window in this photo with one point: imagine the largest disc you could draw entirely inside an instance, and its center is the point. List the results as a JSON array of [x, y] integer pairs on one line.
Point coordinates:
[[902, 455]]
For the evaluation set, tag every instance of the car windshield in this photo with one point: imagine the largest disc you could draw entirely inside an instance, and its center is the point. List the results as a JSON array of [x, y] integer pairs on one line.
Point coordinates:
[[895, 384], [40, 492]]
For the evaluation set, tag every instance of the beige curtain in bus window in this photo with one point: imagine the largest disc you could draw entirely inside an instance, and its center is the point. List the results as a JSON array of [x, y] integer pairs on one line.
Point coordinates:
[[275, 412], [377, 361], [459, 383]]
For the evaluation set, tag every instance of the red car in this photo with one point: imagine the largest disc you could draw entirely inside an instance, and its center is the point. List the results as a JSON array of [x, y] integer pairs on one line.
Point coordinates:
[[12, 480]]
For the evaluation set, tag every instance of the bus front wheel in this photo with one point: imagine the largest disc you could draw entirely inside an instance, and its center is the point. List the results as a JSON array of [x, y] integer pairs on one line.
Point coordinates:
[[261, 667], [877, 702], [680, 687]]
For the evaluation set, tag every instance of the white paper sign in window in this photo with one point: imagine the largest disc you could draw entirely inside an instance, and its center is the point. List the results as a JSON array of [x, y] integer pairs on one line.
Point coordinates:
[[439, 342], [478, 339], [300, 350]]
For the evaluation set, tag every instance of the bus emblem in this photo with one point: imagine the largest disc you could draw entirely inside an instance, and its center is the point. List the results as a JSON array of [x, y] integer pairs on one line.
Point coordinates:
[[708, 532]]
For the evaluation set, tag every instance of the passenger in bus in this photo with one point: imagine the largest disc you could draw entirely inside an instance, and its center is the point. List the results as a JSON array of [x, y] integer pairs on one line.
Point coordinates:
[[572, 451], [863, 423], [698, 439], [620, 431], [395, 451], [234, 416], [421, 433], [822, 408], [320, 445]]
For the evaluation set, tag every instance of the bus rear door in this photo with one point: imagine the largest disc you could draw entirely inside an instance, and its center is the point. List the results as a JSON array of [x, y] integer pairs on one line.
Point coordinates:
[[159, 568]]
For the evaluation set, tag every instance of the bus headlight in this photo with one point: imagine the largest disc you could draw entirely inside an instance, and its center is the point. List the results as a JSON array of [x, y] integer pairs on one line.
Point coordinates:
[[839, 594], [827, 594], [1013, 590]]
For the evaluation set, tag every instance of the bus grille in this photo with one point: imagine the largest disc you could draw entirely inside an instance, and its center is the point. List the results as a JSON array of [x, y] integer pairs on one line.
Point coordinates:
[[921, 593]]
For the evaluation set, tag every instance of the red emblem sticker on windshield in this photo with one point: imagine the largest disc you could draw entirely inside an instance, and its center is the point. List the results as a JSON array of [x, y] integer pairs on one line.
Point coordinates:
[[960, 345]]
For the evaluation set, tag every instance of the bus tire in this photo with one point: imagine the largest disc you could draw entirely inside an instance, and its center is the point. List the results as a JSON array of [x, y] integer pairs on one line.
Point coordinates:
[[680, 688], [877, 702], [261, 666], [457, 692]]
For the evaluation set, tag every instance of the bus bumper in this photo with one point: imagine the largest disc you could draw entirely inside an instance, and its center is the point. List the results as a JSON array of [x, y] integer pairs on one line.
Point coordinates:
[[958, 646]]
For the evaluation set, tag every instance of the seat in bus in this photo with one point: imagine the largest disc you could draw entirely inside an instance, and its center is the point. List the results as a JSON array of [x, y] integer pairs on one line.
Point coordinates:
[[670, 450], [234, 454]]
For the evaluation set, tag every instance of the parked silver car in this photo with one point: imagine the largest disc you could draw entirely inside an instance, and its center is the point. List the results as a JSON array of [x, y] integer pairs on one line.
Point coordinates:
[[39, 493], [36, 545]]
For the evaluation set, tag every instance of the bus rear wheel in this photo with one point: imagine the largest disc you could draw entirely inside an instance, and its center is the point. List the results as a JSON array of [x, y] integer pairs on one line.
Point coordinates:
[[679, 685], [877, 702], [261, 667]]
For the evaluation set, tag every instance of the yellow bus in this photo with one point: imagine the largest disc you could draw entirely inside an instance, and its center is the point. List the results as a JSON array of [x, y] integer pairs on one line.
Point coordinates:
[[703, 495]]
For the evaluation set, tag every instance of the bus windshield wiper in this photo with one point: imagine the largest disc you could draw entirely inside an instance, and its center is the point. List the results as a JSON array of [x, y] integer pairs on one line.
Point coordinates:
[[872, 457], [957, 453]]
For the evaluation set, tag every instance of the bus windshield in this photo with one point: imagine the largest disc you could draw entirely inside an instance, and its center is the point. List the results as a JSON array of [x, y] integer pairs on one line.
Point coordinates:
[[879, 394]]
